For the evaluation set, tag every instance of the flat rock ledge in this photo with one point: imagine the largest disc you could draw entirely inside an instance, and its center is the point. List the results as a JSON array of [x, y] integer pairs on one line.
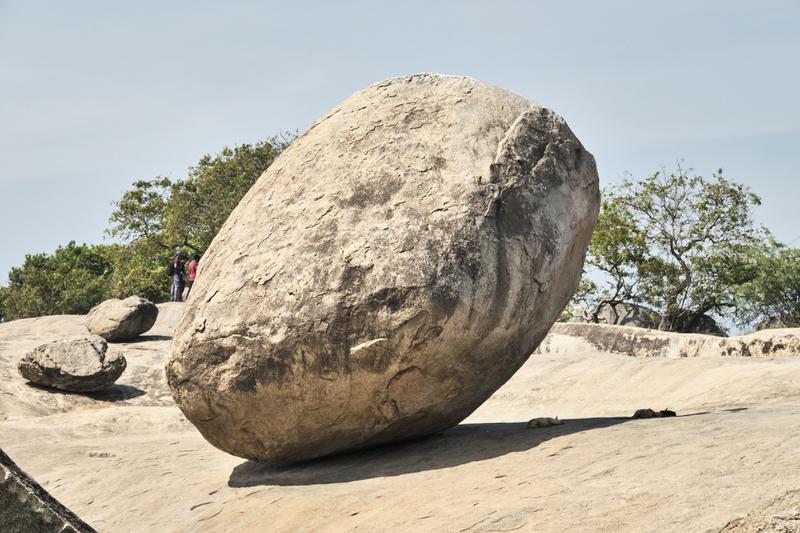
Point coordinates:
[[638, 342], [25, 507]]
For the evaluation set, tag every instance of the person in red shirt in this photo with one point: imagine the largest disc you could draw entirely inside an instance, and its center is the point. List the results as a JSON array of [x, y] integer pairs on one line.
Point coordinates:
[[192, 273]]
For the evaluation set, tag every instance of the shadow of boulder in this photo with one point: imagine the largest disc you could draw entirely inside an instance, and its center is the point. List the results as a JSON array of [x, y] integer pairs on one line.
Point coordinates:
[[115, 393], [145, 338], [462, 444]]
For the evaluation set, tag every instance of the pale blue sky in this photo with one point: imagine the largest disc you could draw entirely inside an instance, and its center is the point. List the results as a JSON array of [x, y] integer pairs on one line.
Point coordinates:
[[94, 95]]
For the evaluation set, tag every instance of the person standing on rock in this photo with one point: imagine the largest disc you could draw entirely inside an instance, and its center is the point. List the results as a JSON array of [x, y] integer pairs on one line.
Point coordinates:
[[192, 273], [177, 271]]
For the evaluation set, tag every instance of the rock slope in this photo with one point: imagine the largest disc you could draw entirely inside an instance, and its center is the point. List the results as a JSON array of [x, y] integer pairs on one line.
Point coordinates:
[[131, 463]]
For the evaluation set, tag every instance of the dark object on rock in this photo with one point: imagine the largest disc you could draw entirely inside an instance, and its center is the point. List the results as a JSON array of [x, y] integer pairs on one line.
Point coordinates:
[[649, 413], [387, 273], [25, 507], [703, 324], [81, 364], [770, 323], [122, 320], [544, 422], [624, 314], [639, 316]]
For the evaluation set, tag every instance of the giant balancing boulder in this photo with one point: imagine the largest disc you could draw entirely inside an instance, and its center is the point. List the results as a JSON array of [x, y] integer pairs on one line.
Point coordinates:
[[390, 271]]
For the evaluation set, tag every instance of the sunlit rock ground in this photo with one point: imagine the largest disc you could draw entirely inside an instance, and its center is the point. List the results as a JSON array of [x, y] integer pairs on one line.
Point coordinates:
[[127, 460]]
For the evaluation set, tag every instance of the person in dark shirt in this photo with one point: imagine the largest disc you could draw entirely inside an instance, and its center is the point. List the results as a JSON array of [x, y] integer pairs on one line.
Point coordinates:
[[178, 272]]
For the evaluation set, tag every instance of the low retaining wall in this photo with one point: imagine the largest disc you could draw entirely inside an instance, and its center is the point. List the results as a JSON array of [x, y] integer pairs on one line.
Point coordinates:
[[640, 342]]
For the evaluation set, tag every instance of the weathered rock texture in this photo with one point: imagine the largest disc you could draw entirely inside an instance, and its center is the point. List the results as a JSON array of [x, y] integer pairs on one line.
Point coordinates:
[[781, 515], [25, 507], [393, 268], [80, 364], [573, 338], [121, 320]]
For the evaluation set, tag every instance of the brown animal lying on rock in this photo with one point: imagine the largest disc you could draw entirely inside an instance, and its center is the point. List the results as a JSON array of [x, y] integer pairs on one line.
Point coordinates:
[[649, 413], [544, 422]]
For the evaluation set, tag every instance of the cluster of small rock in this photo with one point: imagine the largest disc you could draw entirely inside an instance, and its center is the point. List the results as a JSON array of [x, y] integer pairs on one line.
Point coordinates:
[[84, 364]]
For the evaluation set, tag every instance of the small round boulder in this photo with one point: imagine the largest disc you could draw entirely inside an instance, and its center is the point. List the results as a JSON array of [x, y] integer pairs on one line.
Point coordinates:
[[388, 272], [122, 320], [80, 364]]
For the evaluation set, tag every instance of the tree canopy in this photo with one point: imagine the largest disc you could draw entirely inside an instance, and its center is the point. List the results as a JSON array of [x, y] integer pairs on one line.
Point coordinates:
[[772, 296], [676, 242], [151, 220], [70, 281], [188, 213]]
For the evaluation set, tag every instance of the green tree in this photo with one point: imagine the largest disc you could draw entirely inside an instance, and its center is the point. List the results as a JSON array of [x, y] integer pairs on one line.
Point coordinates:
[[158, 216], [618, 246], [3, 304], [151, 220], [70, 281], [188, 213], [676, 242], [141, 213], [140, 269], [772, 297]]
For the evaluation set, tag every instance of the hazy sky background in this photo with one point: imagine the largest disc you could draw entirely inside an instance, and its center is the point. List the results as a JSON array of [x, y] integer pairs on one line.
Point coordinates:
[[94, 95]]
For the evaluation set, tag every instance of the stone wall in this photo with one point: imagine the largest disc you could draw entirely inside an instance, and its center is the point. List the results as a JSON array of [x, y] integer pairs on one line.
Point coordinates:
[[638, 342]]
